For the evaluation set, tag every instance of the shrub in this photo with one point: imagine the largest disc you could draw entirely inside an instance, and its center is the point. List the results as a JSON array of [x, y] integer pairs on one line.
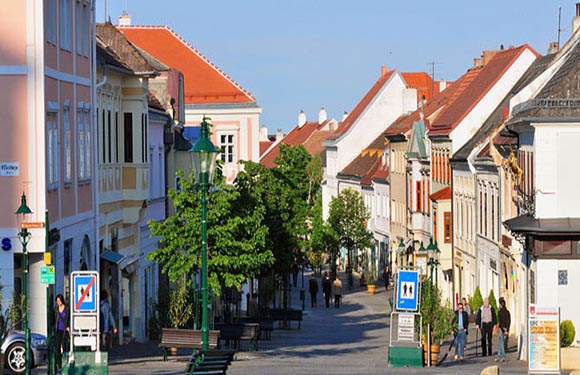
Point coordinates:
[[567, 333], [476, 301], [493, 301]]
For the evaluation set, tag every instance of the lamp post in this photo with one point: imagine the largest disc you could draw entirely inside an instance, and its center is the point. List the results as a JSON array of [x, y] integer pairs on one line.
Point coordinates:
[[204, 155], [433, 261], [24, 237]]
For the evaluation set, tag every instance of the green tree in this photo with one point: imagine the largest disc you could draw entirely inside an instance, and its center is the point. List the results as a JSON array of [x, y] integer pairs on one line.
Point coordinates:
[[476, 301], [236, 236], [348, 217], [493, 301]]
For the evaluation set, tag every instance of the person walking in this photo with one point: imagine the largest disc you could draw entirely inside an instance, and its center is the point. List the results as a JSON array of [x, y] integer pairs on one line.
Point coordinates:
[[466, 306], [326, 289], [62, 328], [485, 321], [387, 276], [460, 325], [504, 321], [313, 289], [107, 322], [337, 291]]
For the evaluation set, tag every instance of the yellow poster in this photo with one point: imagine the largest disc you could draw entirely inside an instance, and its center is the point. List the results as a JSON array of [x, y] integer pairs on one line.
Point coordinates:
[[544, 340]]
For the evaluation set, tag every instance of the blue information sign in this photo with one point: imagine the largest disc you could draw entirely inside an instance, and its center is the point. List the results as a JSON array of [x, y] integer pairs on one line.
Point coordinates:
[[85, 293], [408, 290]]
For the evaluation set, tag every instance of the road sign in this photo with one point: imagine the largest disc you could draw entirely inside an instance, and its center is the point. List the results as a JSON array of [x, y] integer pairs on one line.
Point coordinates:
[[31, 225], [84, 293], [47, 274], [407, 290]]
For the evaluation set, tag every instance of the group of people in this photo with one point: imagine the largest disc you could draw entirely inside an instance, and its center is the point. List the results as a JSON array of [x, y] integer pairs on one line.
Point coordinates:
[[487, 321], [329, 288], [107, 326]]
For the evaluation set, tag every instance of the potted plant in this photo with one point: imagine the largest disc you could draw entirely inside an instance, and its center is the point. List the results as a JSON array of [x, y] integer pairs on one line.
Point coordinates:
[[180, 306], [371, 280], [437, 316]]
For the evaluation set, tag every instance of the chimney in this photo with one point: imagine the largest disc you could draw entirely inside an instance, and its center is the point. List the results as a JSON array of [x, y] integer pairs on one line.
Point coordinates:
[[263, 133], [576, 19], [383, 70], [344, 115], [322, 115], [125, 19], [477, 62], [279, 135], [301, 118], [554, 47]]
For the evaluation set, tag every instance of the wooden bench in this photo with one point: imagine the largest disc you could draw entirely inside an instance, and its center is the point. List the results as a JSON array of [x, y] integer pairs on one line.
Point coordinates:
[[232, 334], [185, 338], [286, 315]]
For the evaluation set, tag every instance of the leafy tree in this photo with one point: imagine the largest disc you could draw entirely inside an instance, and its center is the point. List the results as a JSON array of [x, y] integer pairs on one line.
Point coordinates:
[[492, 301], [323, 239], [347, 217], [434, 312], [236, 236]]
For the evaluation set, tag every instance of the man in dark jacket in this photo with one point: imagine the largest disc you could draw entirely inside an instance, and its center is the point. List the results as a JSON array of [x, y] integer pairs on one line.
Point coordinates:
[[504, 322], [313, 289], [486, 319], [326, 289], [460, 325]]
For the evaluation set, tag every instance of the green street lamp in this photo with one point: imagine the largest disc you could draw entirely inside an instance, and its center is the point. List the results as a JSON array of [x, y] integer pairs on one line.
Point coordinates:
[[204, 155], [24, 237], [433, 261]]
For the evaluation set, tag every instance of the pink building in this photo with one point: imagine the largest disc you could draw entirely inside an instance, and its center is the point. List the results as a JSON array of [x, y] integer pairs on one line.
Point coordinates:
[[47, 144]]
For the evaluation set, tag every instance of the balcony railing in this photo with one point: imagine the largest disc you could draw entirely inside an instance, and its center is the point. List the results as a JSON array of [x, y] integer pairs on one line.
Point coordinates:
[[554, 103]]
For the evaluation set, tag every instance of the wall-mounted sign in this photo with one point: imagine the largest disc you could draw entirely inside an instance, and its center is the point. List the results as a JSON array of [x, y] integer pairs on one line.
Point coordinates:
[[10, 169], [6, 244]]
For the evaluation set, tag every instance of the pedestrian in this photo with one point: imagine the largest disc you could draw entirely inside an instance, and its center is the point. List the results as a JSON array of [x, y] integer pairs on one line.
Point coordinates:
[[62, 329], [485, 321], [337, 291], [107, 322], [326, 289], [313, 289], [295, 273], [387, 276], [466, 306], [504, 321], [460, 326]]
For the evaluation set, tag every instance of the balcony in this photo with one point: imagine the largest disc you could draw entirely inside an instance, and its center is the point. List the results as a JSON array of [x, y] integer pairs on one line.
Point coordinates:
[[127, 184]]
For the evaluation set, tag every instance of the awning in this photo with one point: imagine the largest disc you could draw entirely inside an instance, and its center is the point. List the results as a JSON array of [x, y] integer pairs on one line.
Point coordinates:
[[553, 226], [130, 263], [112, 257]]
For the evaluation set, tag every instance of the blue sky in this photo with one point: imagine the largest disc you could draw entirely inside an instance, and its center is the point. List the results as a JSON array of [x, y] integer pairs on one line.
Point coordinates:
[[304, 54]]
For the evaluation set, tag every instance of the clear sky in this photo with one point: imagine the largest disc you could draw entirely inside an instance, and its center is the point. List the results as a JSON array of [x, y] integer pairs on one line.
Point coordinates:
[[304, 54]]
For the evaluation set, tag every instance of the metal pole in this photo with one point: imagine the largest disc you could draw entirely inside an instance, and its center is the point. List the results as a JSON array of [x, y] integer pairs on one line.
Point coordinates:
[[24, 236], [51, 368], [204, 291]]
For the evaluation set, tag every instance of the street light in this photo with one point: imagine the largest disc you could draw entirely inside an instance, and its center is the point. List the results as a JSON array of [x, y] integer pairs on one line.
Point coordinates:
[[24, 237], [433, 261], [204, 155]]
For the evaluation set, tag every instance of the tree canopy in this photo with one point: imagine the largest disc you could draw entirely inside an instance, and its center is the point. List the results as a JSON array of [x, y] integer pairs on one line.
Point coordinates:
[[348, 217]]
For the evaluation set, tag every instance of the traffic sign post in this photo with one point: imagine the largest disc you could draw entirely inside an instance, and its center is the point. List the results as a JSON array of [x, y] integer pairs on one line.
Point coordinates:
[[85, 293], [407, 290]]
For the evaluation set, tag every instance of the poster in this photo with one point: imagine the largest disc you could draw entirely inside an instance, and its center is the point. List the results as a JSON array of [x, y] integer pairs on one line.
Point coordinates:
[[544, 340]]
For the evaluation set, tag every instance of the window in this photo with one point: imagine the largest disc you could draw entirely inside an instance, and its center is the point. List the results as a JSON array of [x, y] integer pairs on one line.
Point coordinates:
[[51, 21], [419, 193], [447, 226], [79, 28], [435, 225], [84, 142], [144, 138], [67, 145], [227, 147], [116, 137], [86, 30], [109, 137], [53, 160], [128, 137], [65, 24]]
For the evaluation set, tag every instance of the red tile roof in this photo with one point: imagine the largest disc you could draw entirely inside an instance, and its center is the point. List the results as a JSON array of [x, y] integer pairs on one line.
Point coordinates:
[[363, 104], [368, 164], [441, 195], [475, 84], [422, 82], [264, 146], [204, 82], [310, 135]]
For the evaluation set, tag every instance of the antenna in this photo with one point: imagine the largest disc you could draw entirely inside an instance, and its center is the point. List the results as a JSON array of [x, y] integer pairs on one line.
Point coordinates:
[[433, 63], [559, 29]]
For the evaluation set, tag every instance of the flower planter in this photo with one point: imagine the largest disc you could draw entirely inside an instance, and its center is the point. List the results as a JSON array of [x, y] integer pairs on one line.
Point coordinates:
[[371, 288], [434, 354]]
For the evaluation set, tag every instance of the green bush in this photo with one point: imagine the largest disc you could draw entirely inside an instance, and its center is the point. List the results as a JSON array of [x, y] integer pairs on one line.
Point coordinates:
[[477, 301], [435, 312], [567, 333], [493, 301]]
